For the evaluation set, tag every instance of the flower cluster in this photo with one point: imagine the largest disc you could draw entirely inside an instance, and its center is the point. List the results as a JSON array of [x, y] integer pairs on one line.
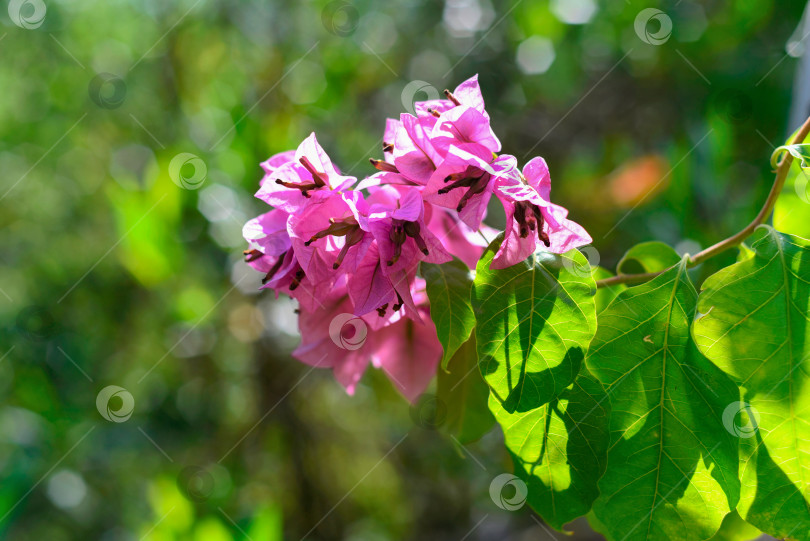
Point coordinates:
[[350, 252]]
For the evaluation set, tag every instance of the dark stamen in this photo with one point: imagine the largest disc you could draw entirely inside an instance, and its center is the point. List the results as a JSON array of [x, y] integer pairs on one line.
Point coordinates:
[[381, 310], [434, 112], [303, 187], [252, 255], [451, 97], [336, 228], [318, 178], [461, 183], [299, 275], [398, 237], [412, 230], [355, 237], [538, 217], [388, 147], [477, 187], [274, 269], [399, 303], [383, 166]]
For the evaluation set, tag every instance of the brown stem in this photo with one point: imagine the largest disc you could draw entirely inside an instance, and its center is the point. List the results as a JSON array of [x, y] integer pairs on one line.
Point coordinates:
[[782, 169]]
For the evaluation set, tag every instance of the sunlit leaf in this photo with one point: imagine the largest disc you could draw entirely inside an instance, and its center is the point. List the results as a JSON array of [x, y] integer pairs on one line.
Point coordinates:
[[671, 467], [559, 449], [534, 321], [753, 323]]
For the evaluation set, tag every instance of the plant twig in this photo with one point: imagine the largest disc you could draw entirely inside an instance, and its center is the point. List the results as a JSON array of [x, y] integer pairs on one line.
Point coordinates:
[[782, 169]]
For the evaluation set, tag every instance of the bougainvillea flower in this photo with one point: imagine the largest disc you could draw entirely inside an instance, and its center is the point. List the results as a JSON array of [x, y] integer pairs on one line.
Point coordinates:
[[465, 181], [332, 337], [310, 175], [351, 258], [467, 93], [371, 289], [461, 125], [457, 237], [413, 151], [402, 236], [267, 233], [532, 221], [409, 352], [327, 237]]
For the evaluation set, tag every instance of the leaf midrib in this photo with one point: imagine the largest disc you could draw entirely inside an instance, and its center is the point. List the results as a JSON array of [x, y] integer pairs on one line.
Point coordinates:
[[676, 283]]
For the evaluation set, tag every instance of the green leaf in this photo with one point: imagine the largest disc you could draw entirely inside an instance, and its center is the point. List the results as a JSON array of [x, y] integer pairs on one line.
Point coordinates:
[[734, 528], [648, 257], [754, 325], [465, 394], [534, 321], [671, 466], [559, 449], [448, 288]]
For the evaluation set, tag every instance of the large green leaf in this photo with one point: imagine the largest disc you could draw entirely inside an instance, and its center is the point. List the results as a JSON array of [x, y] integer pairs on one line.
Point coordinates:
[[464, 393], [448, 288], [754, 324], [534, 321], [559, 449], [671, 467]]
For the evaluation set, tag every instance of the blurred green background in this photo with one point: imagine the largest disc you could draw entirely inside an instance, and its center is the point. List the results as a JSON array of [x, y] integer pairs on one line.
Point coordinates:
[[113, 274]]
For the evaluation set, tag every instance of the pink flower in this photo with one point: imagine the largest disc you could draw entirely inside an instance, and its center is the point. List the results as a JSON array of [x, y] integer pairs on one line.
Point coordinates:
[[267, 233], [532, 219], [466, 179], [467, 93], [336, 350], [461, 125], [271, 253], [409, 352], [327, 236], [290, 185], [372, 288], [414, 155], [401, 234], [406, 351], [385, 275]]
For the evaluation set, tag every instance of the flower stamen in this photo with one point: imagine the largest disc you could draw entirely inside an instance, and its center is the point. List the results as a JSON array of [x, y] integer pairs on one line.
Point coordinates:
[[449, 95], [252, 255], [383, 166], [318, 178]]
